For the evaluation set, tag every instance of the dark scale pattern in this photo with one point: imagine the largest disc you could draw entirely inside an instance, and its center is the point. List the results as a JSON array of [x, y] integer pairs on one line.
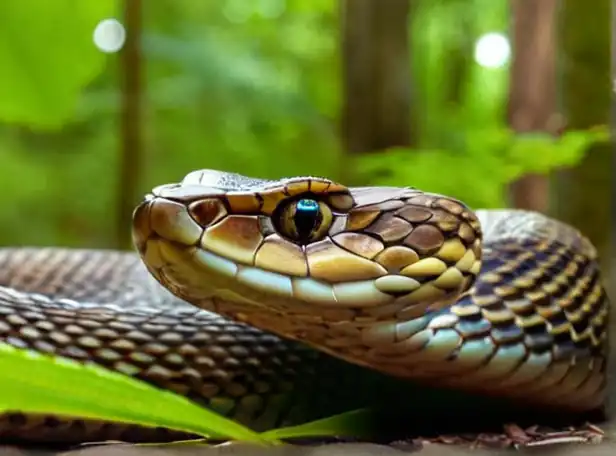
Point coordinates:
[[537, 300], [239, 371], [518, 310]]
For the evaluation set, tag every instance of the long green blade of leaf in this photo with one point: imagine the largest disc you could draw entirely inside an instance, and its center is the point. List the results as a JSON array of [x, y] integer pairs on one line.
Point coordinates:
[[35, 383], [357, 423]]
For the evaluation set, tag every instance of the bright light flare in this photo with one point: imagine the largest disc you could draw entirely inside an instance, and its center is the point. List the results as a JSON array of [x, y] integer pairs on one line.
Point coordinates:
[[492, 50], [109, 36]]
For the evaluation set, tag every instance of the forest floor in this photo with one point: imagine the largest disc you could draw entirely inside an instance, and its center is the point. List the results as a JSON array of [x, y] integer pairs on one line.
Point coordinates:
[[606, 447]]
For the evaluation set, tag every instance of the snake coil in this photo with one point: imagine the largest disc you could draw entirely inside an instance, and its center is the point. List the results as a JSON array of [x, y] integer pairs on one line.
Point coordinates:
[[271, 289]]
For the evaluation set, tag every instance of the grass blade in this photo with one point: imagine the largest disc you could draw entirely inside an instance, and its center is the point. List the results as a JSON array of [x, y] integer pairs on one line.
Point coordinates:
[[357, 423], [31, 382]]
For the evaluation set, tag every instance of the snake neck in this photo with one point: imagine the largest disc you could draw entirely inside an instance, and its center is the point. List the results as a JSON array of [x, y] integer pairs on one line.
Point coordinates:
[[392, 340]]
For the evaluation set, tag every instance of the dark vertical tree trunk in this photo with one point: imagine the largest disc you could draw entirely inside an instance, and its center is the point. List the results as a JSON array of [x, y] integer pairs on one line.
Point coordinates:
[[613, 131], [611, 241], [377, 98], [130, 126], [582, 196], [532, 89]]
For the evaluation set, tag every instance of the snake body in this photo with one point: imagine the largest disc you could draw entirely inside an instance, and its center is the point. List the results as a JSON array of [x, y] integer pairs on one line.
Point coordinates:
[[282, 300]]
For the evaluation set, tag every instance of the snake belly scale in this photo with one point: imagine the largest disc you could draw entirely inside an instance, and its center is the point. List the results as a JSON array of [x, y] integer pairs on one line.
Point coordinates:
[[256, 298]]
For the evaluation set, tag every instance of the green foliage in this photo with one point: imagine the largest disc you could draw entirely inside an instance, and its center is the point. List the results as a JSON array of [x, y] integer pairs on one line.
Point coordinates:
[[251, 87], [479, 171], [35, 383], [454, 95], [46, 57], [356, 423], [541, 153], [253, 92]]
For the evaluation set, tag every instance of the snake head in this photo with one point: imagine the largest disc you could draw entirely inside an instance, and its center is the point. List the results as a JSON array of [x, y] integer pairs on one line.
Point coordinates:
[[307, 246]]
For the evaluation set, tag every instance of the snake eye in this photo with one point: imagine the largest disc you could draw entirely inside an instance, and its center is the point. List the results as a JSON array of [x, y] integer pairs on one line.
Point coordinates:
[[305, 220]]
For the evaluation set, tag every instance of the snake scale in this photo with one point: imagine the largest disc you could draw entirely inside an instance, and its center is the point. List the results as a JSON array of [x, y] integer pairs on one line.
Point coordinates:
[[283, 296]]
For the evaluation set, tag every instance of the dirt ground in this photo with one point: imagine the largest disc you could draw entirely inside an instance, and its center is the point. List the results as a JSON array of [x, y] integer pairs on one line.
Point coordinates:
[[606, 448]]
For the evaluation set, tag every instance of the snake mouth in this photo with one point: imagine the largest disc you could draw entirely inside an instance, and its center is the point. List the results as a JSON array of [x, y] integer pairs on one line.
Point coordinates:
[[308, 245]]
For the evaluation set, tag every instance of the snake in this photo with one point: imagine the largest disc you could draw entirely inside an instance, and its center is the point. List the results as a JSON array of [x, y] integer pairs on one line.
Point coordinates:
[[274, 301]]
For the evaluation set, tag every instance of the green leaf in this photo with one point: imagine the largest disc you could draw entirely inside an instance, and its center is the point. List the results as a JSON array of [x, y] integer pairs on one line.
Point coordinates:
[[541, 153], [575, 142], [357, 423], [459, 174], [47, 55], [35, 383], [481, 165]]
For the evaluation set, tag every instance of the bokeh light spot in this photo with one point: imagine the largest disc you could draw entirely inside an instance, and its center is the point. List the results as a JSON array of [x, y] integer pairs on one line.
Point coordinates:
[[492, 50], [109, 35]]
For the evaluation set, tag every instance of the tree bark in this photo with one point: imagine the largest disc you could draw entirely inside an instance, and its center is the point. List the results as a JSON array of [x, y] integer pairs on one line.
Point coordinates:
[[376, 75], [611, 238], [582, 195], [532, 88], [130, 123], [613, 130]]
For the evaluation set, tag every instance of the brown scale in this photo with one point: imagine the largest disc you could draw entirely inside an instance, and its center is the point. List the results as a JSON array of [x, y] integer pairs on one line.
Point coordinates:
[[266, 201], [47, 271], [434, 228], [378, 221], [425, 239], [537, 323], [483, 303], [208, 361], [506, 298], [414, 214], [158, 349], [582, 329], [387, 228]]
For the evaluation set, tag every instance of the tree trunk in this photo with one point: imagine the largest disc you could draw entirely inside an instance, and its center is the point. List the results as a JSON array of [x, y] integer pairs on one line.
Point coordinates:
[[610, 249], [532, 88], [376, 75], [130, 127], [582, 196], [613, 135]]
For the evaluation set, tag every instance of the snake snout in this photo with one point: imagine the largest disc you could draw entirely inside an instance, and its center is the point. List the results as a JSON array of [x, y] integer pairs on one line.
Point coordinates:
[[168, 230], [165, 219]]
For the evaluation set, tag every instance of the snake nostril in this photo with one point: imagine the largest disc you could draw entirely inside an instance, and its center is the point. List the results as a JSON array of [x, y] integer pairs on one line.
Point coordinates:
[[207, 211]]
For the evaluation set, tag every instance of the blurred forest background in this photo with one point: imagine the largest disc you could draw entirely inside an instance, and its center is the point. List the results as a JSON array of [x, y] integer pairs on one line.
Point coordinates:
[[403, 92]]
